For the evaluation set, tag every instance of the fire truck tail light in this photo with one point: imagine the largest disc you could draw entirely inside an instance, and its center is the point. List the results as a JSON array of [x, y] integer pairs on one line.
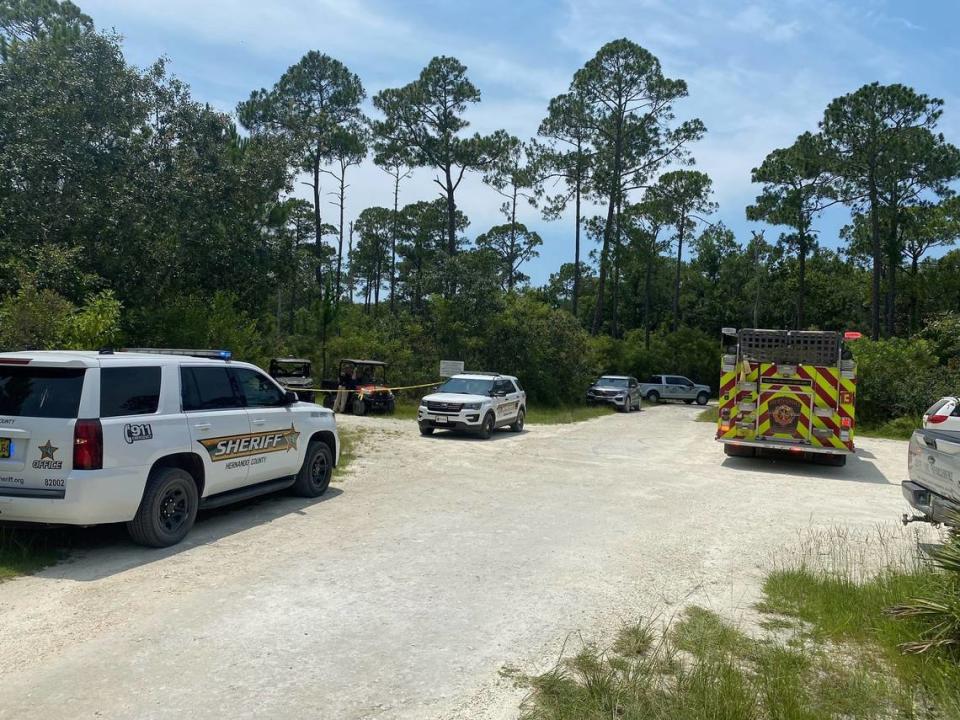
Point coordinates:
[[852, 335], [846, 423]]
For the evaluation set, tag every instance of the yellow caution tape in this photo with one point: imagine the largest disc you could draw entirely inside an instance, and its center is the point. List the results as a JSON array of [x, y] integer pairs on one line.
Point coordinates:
[[360, 392]]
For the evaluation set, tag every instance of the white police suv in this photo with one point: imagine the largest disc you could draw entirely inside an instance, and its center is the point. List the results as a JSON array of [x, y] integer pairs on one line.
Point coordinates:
[[476, 402], [149, 437]]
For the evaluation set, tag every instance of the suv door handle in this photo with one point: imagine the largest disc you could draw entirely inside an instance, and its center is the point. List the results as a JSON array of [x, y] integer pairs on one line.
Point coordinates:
[[258, 421], [202, 426]]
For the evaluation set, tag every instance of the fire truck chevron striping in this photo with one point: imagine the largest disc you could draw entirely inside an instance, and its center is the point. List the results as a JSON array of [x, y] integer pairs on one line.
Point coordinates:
[[787, 390]]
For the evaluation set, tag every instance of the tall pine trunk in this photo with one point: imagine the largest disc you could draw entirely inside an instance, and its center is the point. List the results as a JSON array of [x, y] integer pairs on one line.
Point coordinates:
[[602, 279], [676, 282], [393, 243], [647, 290], [576, 250], [914, 292], [877, 255], [350, 275], [617, 259], [451, 216], [343, 190], [318, 225], [512, 253], [893, 261], [615, 190], [801, 281]]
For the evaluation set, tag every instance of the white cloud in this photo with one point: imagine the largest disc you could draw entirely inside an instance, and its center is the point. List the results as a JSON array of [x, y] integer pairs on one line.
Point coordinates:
[[758, 74], [758, 20]]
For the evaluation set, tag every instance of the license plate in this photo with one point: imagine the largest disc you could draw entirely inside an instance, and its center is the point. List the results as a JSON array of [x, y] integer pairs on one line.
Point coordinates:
[[6, 448], [440, 420]]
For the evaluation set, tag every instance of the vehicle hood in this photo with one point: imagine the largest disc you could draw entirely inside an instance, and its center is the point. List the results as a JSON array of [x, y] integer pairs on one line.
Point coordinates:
[[372, 388], [454, 398], [294, 381], [608, 387]]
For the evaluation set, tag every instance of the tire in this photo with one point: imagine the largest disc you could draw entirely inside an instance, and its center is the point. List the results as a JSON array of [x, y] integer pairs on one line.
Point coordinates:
[[426, 430], [831, 459], [626, 405], [314, 476], [743, 451], [489, 425], [653, 396], [167, 510], [703, 398], [517, 425], [359, 407]]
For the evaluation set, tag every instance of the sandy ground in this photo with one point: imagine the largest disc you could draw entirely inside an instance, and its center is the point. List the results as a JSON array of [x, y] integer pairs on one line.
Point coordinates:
[[431, 565]]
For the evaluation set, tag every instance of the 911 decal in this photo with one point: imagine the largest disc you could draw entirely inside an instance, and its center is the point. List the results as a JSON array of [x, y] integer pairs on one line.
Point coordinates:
[[235, 446], [140, 431]]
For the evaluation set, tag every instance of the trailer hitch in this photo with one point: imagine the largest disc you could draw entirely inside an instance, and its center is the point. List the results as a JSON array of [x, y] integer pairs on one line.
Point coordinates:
[[907, 519]]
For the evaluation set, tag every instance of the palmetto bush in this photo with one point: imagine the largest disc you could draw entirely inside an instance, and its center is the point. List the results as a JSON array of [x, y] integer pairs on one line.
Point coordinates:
[[938, 614]]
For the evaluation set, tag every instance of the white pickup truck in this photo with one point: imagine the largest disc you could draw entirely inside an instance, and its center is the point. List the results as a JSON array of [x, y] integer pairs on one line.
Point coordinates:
[[148, 438], [934, 469]]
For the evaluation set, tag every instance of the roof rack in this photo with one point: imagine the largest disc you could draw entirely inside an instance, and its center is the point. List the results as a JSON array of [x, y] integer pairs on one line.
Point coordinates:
[[480, 372], [211, 354], [353, 361], [815, 347]]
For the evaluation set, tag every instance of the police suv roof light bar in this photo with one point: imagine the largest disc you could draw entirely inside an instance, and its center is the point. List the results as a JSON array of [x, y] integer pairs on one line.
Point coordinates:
[[211, 354]]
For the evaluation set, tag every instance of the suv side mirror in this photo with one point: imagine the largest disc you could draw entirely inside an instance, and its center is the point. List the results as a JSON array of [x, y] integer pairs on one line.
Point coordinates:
[[290, 398]]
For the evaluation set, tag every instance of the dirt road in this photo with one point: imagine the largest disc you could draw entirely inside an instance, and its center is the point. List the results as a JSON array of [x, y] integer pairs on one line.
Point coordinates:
[[431, 565]]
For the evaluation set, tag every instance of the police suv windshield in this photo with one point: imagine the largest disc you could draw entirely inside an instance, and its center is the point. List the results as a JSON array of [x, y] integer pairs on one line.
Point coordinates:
[[467, 386], [612, 382]]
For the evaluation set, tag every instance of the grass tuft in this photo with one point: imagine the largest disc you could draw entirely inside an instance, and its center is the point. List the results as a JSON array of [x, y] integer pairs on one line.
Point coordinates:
[[564, 414], [350, 440], [634, 640], [825, 648], [898, 429], [536, 414], [710, 415], [25, 550]]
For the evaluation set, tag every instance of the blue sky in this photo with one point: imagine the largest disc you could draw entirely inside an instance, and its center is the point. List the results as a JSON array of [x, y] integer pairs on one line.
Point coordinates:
[[759, 73]]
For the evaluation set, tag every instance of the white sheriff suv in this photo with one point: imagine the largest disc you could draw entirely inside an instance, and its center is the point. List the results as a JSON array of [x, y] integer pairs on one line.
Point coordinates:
[[475, 402], [149, 437]]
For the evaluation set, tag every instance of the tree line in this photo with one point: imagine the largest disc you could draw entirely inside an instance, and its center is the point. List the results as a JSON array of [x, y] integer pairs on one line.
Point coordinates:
[[124, 198]]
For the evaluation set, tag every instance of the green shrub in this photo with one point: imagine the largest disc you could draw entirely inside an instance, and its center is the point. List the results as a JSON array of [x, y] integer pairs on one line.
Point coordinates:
[[687, 351], [943, 334], [546, 348], [41, 319], [899, 377]]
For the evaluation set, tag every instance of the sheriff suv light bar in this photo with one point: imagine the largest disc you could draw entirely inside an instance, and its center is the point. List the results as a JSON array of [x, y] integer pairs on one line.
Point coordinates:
[[212, 354]]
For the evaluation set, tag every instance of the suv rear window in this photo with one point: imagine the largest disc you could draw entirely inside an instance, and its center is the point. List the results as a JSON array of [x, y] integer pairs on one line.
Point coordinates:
[[129, 391], [40, 392]]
